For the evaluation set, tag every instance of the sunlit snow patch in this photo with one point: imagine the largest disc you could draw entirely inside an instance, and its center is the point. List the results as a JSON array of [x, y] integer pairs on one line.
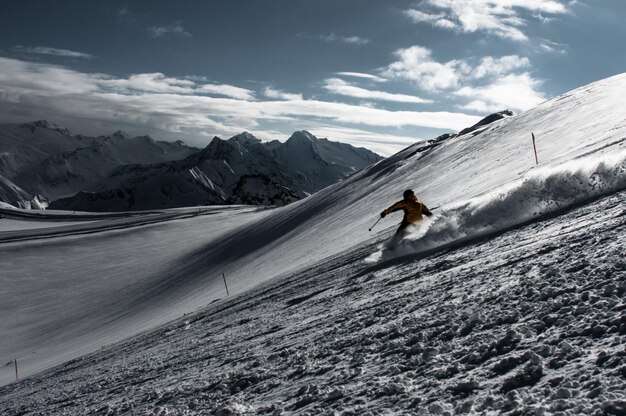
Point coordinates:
[[538, 193]]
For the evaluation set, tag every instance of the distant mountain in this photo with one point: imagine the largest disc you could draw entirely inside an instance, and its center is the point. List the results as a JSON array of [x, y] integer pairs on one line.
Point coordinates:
[[44, 159], [239, 170], [316, 163], [13, 195]]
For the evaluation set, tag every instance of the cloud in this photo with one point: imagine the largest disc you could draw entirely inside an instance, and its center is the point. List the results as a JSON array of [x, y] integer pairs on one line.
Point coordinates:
[[158, 103], [490, 66], [356, 40], [270, 92], [494, 83], [497, 17], [515, 91], [553, 47], [175, 29], [370, 77], [416, 64], [341, 87], [226, 90], [44, 50], [151, 82], [438, 20], [351, 40]]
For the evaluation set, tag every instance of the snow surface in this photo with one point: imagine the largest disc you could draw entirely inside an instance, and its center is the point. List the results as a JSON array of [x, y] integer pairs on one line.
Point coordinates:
[[7, 224], [531, 322], [479, 325]]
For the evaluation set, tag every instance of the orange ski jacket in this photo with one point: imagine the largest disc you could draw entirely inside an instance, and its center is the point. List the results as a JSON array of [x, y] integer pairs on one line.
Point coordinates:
[[412, 207]]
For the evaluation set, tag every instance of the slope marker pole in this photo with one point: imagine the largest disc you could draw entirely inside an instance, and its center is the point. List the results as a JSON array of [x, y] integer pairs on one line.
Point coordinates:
[[225, 285], [535, 148], [17, 374]]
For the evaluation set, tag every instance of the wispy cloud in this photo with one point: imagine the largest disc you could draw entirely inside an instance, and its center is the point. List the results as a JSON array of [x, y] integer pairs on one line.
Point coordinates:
[[490, 66], [356, 40], [156, 102], [44, 50], [438, 19], [123, 14], [270, 92], [553, 47], [493, 83], [370, 77], [341, 87], [350, 40], [497, 17], [175, 29], [226, 90], [150, 82]]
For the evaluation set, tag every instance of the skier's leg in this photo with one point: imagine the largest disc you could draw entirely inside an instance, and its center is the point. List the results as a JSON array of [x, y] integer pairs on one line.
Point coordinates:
[[403, 225], [399, 234]]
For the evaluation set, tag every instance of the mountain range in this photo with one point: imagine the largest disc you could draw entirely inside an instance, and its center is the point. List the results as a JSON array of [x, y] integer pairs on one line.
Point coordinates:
[[42, 162]]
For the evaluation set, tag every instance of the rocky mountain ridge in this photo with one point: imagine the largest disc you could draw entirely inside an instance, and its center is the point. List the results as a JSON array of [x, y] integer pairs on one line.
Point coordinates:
[[44, 159], [42, 162], [242, 169]]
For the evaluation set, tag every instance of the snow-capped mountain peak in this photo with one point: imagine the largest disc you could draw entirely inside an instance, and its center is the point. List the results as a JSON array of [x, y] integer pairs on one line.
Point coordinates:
[[301, 136], [120, 134], [218, 149], [245, 138]]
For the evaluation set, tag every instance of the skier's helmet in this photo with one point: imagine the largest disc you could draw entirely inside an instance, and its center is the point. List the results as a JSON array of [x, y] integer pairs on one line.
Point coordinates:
[[408, 193]]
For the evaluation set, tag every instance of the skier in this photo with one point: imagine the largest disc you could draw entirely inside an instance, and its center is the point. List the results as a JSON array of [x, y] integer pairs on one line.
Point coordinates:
[[413, 211]]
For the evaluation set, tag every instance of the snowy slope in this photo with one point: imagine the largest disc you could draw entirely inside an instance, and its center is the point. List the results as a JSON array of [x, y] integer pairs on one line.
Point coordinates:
[[529, 322], [176, 267]]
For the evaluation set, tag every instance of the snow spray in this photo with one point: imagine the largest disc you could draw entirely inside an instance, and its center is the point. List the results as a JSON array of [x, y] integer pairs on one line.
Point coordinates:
[[537, 194]]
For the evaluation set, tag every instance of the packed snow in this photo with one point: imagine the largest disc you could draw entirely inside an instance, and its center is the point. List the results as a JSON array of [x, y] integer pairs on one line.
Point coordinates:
[[510, 299]]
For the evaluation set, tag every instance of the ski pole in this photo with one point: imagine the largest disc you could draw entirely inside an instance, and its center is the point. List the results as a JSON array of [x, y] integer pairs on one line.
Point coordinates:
[[375, 223]]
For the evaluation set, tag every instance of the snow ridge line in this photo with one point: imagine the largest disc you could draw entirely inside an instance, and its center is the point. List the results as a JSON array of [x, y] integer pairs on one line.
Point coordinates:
[[539, 193]]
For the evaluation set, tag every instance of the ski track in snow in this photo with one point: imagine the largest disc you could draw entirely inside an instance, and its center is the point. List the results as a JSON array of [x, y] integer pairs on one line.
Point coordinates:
[[529, 322]]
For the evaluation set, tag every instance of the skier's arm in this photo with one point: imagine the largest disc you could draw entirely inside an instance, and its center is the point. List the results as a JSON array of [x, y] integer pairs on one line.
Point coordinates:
[[426, 211], [395, 207]]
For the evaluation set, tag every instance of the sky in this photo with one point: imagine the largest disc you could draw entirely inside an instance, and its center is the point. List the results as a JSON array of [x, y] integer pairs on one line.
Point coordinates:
[[375, 74]]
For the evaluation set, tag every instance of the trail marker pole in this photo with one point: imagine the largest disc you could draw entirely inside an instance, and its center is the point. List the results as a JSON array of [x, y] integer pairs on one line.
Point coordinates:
[[17, 374], [225, 285], [535, 149]]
